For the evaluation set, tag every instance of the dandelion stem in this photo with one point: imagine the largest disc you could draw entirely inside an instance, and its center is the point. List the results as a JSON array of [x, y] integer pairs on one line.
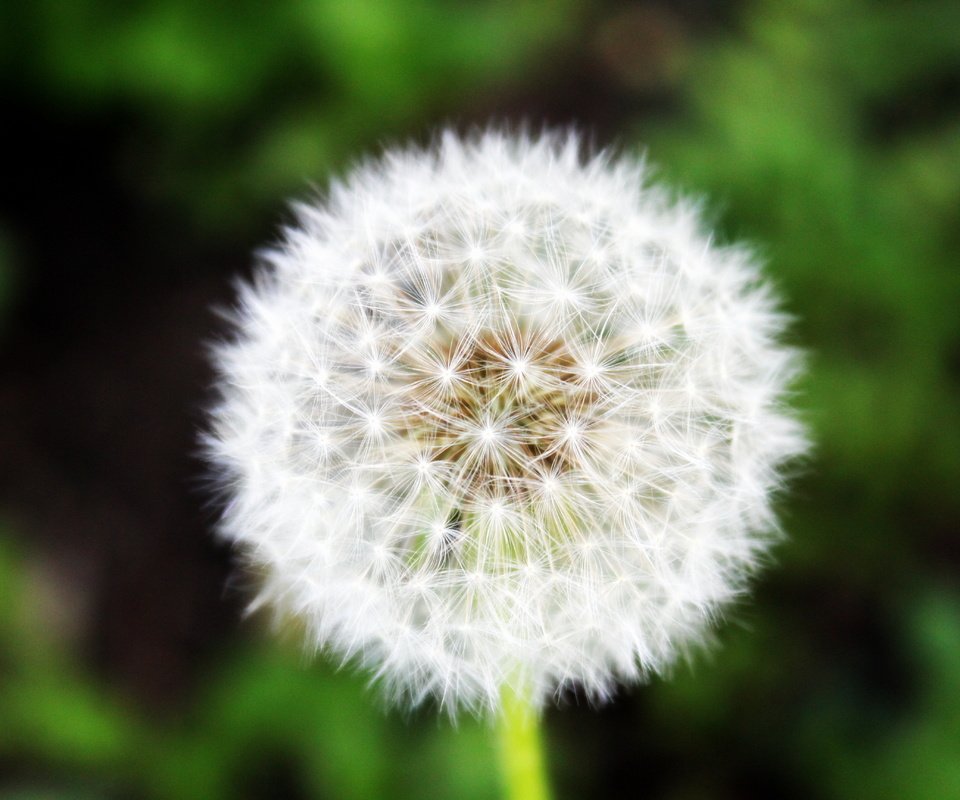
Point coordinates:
[[521, 753]]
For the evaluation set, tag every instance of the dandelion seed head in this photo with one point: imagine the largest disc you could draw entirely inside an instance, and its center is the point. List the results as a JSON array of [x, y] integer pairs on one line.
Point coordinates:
[[497, 414]]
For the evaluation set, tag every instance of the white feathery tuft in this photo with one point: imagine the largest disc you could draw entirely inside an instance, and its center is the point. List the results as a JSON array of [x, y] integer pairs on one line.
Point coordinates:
[[496, 415]]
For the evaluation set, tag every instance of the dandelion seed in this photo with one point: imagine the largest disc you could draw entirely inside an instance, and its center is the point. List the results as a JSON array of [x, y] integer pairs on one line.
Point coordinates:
[[496, 416]]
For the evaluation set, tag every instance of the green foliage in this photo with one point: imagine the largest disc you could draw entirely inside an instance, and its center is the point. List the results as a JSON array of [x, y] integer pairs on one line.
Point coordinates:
[[916, 754], [239, 104]]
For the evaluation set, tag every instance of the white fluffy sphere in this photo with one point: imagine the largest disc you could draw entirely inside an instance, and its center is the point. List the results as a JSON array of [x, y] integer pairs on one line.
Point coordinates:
[[496, 415]]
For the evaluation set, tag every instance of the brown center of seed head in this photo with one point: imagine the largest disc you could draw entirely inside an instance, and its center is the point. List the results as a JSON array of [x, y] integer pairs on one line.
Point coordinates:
[[506, 410]]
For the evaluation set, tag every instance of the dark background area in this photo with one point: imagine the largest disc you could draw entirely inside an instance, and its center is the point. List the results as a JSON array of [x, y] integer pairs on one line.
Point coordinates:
[[152, 147]]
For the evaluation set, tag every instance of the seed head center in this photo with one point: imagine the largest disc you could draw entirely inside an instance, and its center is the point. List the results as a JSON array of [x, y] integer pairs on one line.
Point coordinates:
[[506, 410]]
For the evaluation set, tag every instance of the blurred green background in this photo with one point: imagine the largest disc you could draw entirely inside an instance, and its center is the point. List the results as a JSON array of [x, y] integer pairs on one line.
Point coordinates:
[[151, 147]]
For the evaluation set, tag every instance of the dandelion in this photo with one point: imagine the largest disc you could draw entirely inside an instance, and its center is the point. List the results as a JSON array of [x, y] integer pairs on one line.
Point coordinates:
[[500, 420]]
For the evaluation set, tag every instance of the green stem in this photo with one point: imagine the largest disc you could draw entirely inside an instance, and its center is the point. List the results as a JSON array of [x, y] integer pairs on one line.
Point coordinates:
[[522, 765]]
